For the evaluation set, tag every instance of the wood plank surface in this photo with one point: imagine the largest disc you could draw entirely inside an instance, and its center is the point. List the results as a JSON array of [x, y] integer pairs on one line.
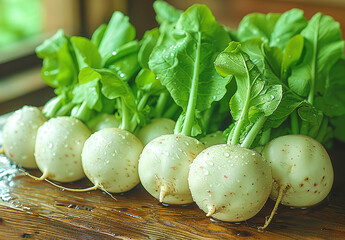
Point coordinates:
[[37, 210]]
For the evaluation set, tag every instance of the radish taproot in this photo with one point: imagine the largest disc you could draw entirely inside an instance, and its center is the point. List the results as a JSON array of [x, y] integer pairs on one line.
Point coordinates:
[[59, 144], [230, 183], [156, 128], [19, 135], [164, 166], [301, 169]]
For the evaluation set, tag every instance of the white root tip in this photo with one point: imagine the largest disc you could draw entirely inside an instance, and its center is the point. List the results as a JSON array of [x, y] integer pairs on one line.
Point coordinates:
[[211, 211], [101, 187], [44, 176], [279, 198], [71, 189], [163, 192]]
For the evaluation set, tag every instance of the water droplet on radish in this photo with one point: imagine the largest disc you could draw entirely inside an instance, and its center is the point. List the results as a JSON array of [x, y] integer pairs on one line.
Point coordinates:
[[226, 154], [206, 172], [50, 145]]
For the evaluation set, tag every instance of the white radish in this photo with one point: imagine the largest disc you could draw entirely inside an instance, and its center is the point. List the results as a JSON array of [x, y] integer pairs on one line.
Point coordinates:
[[301, 169], [110, 159], [156, 128], [230, 183], [58, 149], [164, 166], [107, 121], [19, 135], [213, 139]]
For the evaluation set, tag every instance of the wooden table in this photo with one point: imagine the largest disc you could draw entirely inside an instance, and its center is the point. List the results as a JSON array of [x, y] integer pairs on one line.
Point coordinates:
[[37, 210]]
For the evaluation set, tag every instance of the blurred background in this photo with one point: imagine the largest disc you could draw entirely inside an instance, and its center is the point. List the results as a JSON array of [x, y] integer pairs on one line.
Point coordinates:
[[24, 24]]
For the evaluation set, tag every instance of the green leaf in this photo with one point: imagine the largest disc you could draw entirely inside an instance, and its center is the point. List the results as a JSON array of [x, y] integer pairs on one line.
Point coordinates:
[[183, 61], [98, 34], [287, 105], [332, 102], [257, 25], [89, 93], [274, 29], [255, 97], [147, 82], [86, 53], [148, 42], [113, 87], [276, 55], [252, 89], [87, 75], [254, 48], [165, 12], [288, 25], [123, 51], [266, 60], [118, 32], [126, 67], [59, 68], [323, 46], [292, 54], [310, 114]]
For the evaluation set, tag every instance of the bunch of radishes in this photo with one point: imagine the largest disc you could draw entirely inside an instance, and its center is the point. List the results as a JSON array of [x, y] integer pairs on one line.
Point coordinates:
[[189, 70]]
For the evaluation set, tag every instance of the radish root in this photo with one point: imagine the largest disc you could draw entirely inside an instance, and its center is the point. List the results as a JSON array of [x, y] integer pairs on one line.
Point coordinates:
[[211, 210], [279, 198], [163, 193], [95, 187], [102, 188], [44, 176], [72, 189]]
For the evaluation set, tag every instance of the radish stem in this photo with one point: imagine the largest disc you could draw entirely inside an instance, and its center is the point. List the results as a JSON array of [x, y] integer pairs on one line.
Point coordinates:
[[253, 132], [294, 122], [189, 121], [161, 104]]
